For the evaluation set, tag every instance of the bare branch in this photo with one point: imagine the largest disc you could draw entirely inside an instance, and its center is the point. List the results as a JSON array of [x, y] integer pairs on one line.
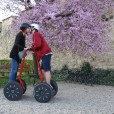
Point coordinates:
[[68, 14]]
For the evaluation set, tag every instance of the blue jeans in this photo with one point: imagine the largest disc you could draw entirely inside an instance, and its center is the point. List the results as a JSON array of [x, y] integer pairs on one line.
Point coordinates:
[[14, 70]]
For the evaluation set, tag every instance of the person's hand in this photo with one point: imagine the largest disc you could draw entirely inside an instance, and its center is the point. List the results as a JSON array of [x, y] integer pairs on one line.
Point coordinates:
[[26, 48]]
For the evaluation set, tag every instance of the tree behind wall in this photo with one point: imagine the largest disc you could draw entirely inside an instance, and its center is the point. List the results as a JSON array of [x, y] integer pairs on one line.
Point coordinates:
[[75, 26]]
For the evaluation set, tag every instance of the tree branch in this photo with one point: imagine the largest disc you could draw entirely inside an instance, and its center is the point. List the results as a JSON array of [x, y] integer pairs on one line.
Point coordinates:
[[66, 14]]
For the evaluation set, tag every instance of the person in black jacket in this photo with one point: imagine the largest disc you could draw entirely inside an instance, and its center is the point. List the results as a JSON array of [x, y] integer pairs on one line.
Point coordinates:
[[19, 46]]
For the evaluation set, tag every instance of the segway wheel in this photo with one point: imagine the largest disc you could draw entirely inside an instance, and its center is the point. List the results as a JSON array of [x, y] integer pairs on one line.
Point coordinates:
[[42, 93], [13, 91], [25, 86], [55, 87]]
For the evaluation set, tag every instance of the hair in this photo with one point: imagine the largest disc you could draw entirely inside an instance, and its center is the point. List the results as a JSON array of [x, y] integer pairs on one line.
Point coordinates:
[[36, 30]]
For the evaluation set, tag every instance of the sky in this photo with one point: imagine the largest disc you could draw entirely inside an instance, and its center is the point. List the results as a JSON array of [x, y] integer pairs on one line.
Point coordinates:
[[5, 14]]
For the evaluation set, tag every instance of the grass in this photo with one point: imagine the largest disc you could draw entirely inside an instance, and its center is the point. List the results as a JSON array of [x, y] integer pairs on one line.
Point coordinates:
[[3, 81]]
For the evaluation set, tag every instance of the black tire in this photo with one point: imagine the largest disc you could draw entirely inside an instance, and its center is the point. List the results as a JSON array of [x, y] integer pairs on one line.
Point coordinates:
[[42, 93], [13, 91], [25, 86], [55, 87]]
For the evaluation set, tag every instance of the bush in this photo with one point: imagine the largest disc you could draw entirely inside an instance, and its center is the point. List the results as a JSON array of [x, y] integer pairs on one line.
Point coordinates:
[[82, 75], [60, 74], [106, 77], [85, 74]]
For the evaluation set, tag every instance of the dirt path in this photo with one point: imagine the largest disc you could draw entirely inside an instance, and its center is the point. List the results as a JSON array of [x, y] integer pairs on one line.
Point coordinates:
[[71, 99]]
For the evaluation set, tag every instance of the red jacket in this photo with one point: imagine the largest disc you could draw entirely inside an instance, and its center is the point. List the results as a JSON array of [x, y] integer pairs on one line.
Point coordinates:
[[40, 46]]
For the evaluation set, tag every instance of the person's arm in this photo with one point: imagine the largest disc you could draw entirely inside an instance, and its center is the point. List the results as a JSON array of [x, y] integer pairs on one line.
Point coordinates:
[[18, 38], [36, 41]]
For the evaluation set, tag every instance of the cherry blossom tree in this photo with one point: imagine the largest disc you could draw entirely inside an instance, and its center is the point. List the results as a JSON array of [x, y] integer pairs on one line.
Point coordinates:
[[74, 26]]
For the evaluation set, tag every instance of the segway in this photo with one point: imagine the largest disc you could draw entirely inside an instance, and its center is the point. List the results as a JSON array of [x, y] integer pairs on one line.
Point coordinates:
[[43, 92], [14, 90]]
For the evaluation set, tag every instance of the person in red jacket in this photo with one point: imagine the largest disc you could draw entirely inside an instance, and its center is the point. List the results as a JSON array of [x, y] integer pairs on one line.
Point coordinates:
[[42, 51]]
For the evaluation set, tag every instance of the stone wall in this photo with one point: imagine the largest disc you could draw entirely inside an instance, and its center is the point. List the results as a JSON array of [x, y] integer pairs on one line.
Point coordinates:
[[6, 27], [6, 38]]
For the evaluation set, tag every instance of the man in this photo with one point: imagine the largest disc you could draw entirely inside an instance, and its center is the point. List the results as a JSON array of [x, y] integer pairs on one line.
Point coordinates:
[[18, 47]]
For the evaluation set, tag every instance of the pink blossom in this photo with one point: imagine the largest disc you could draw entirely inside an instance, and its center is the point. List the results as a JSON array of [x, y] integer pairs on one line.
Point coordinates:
[[75, 26]]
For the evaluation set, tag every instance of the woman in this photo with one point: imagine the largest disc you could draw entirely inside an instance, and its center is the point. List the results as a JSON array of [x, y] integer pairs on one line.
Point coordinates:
[[43, 52], [18, 48]]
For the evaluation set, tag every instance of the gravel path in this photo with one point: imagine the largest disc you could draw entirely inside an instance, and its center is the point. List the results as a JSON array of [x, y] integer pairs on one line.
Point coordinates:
[[71, 99]]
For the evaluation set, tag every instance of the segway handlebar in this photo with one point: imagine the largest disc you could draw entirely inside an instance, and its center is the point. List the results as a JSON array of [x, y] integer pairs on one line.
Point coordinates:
[[25, 52]]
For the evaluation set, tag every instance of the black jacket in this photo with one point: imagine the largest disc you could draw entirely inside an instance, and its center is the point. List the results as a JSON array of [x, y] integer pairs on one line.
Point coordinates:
[[19, 45]]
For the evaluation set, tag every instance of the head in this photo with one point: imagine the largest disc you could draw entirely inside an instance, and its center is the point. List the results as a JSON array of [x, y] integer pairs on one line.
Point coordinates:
[[35, 27], [25, 28]]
